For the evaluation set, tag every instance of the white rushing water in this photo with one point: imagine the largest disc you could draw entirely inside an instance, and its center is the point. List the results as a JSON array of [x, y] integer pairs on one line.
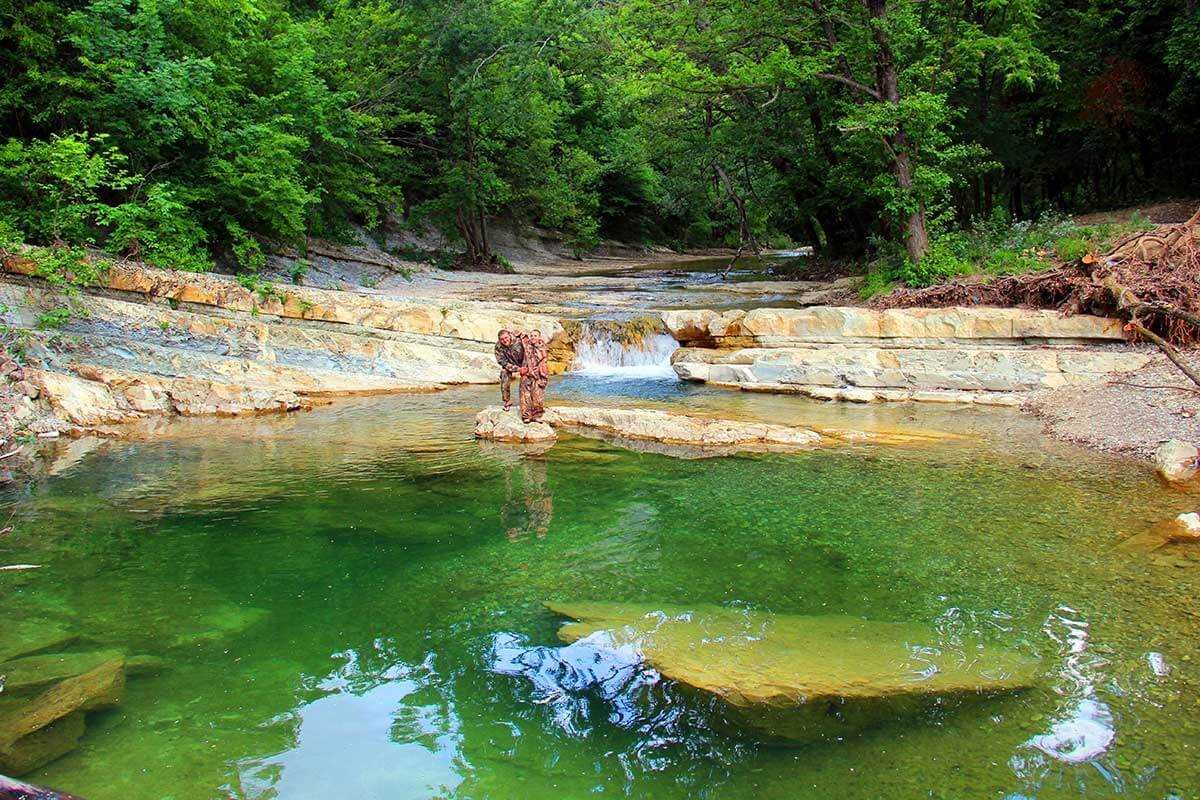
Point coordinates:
[[598, 354]]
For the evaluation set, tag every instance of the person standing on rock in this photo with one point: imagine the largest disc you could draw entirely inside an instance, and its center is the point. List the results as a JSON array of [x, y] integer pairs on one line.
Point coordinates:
[[510, 355], [535, 375]]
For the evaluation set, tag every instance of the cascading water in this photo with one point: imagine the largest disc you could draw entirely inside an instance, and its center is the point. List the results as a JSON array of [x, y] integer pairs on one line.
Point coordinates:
[[600, 353]]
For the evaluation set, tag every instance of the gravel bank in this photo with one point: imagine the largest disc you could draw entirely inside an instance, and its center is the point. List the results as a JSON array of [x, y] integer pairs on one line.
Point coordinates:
[[1129, 417]]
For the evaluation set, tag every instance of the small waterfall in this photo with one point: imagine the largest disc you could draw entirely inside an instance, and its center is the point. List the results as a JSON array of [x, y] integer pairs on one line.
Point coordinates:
[[608, 349]]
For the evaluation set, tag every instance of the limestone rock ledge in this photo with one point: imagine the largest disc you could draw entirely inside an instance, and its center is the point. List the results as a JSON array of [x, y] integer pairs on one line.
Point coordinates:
[[97, 397], [988, 356], [773, 327]]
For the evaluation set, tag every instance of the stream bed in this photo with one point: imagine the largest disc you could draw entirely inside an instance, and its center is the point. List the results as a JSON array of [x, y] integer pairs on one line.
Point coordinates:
[[336, 597]]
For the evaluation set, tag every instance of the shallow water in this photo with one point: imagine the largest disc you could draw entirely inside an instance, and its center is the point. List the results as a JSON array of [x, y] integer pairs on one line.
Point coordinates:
[[339, 596]]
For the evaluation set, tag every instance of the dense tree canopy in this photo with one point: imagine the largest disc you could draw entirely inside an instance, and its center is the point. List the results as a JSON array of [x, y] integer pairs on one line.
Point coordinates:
[[179, 130]]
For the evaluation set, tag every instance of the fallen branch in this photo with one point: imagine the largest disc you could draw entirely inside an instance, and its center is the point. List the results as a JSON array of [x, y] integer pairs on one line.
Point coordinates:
[[1171, 353]]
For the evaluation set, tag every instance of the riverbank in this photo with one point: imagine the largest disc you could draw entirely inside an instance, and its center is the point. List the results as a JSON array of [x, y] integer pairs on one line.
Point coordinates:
[[150, 344]]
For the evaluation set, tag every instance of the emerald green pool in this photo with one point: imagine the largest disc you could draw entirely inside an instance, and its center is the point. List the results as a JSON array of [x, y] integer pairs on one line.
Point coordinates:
[[331, 593]]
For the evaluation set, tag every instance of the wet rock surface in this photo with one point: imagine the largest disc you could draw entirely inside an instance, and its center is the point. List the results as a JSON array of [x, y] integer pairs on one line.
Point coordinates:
[[799, 678], [684, 435], [1176, 460]]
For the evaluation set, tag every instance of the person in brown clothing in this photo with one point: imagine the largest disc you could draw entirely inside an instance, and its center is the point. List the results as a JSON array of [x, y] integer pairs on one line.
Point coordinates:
[[510, 355], [534, 377]]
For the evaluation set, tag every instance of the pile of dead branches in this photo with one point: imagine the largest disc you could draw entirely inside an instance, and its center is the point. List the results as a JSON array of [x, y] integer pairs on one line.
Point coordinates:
[[1151, 280]]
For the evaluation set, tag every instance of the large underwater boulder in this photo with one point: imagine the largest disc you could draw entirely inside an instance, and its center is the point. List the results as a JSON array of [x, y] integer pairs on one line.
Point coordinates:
[[36, 731], [801, 678]]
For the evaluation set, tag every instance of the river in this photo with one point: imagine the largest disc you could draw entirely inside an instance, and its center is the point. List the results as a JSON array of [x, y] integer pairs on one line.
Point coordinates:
[[330, 595]]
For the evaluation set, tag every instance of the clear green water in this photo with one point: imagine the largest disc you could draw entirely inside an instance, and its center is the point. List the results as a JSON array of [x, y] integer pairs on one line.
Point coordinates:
[[335, 593]]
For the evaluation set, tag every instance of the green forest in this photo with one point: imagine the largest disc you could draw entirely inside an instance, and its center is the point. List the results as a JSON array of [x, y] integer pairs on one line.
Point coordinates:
[[194, 133]]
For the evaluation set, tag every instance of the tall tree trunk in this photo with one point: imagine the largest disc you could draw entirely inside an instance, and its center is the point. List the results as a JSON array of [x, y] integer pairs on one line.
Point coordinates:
[[916, 234]]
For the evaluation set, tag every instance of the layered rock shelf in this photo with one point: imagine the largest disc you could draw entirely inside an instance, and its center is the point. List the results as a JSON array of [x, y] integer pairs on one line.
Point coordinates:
[[147, 342], [969, 355]]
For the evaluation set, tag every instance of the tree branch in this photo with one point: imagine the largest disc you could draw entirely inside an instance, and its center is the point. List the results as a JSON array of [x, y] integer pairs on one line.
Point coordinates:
[[853, 84]]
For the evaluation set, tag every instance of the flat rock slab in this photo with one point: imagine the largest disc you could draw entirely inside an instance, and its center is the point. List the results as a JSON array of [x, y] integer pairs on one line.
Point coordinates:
[[801, 677], [662, 426], [684, 435], [506, 426]]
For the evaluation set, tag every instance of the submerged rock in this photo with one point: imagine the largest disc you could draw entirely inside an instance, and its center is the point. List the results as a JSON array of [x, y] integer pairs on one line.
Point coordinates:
[[506, 426], [801, 678], [33, 674], [1176, 460], [36, 731]]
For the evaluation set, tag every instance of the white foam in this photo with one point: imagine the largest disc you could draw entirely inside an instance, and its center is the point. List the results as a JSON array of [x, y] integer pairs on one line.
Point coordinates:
[[597, 354]]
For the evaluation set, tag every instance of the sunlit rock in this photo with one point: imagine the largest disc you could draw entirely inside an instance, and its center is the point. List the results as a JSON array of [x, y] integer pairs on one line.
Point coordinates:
[[1176, 460], [1185, 528], [506, 426], [661, 426], [802, 678]]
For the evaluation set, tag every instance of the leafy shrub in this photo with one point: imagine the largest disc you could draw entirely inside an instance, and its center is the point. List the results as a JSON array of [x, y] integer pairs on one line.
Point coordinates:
[[247, 252], [50, 189], [878, 281], [159, 230], [947, 257]]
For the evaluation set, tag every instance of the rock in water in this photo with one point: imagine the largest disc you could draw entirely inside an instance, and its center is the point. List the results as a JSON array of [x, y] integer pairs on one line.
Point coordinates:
[[506, 426], [801, 678], [33, 674], [1185, 528], [36, 731], [1176, 460]]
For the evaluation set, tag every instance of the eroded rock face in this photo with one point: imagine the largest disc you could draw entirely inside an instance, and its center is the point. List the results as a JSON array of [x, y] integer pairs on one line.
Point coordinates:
[[98, 396], [506, 426], [1186, 528], [801, 678], [1176, 460]]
